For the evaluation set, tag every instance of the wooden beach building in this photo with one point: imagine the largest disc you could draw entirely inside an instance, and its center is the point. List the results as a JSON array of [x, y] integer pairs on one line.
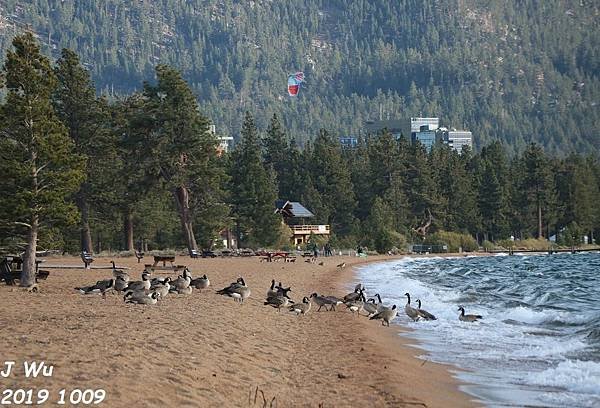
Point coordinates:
[[296, 216]]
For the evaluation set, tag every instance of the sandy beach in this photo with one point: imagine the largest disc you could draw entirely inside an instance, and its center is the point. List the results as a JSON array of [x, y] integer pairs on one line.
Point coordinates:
[[205, 350]]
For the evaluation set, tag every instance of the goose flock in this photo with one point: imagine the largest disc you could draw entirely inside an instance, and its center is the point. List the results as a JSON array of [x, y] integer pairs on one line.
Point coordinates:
[[149, 291]]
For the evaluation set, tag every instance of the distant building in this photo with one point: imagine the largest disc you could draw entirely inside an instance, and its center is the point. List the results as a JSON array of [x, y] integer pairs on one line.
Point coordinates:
[[427, 138], [457, 139], [395, 127], [225, 142], [420, 124], [426, 131], [348, 142]]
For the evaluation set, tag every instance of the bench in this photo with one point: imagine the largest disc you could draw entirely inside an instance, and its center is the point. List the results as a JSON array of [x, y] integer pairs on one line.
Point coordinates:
[[10, 276], [87, 259]]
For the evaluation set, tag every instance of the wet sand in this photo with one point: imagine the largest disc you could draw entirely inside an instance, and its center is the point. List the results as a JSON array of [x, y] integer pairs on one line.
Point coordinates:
[[205, 350]]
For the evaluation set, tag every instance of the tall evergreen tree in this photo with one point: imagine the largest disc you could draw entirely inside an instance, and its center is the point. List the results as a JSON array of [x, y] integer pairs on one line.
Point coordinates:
[[87, 120], [275, 154], [40, 166], [181, 148], [537, 185], [253, 191], [420, 185], [331, 178]]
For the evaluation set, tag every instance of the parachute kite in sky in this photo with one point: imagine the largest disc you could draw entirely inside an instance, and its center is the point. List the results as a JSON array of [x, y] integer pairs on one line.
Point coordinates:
[[294, 82]]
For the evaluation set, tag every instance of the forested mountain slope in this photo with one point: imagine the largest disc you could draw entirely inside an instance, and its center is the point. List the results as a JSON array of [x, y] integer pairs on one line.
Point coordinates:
[[516, 71]]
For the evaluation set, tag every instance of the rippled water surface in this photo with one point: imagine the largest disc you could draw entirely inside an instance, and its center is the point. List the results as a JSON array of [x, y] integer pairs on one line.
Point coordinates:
[[539, 341]]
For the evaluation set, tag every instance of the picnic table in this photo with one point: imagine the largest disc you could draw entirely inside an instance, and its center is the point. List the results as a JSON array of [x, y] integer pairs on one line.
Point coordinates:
[[276, 256], [12, 266], [173, 268], [164, 259]]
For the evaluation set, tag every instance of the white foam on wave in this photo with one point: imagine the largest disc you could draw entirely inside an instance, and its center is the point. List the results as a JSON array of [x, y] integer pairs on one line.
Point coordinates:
[[530, 316], [573, 375], [494, 345]]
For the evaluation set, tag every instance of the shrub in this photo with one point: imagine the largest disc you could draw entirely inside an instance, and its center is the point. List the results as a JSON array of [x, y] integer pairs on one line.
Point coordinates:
[[454, 240], [538, 244], [487, 245]]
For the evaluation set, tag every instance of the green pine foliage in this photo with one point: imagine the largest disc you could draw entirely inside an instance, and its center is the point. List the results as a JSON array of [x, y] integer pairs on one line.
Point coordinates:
[[516, 71], [40, 166], [156, 180], [254, 191]]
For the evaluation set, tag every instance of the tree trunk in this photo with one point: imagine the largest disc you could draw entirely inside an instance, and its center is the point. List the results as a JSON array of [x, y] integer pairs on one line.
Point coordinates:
[[86, 233], [540, 230], [29, 270], [128, 230], [183, 207], [98, 244]]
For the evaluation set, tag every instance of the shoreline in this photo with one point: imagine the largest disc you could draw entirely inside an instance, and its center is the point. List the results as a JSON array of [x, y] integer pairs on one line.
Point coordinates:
[[425, 374], [206, 350]]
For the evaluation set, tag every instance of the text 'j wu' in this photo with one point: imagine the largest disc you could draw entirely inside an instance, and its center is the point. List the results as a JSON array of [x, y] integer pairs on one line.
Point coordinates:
[[32, 369]]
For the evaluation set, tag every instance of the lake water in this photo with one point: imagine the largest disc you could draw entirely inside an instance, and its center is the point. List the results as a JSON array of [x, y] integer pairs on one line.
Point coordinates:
[[538, 344]]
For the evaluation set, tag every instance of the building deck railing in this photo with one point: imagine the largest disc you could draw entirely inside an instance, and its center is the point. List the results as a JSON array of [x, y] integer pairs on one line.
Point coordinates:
[[307, 229]]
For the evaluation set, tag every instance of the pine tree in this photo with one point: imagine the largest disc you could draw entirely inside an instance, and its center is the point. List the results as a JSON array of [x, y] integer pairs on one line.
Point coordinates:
[[41, 168], [331, 178], [538, 185], [275, 153], [181, 149], [86, 119], [253, 191], [420, 186]]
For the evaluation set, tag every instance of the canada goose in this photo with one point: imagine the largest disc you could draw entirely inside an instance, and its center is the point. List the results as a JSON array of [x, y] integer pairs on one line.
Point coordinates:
[[158, 280], [144, 284], [144, 300], [342, 265], [370, 307], [322, 301], [356, 305], [321, 263], [238, 283], [135, 295], [380, 305], [385, 315], [334, 301], [284, 292], [278, 301], [410, 311], [183, 281], [354, 295], [100, 286], [184, 291], [162, 288], [423, 313], [272, 290], [119, 272], [468, 318], [237, 290], [120, 283], [301, 308], [200, 283]]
